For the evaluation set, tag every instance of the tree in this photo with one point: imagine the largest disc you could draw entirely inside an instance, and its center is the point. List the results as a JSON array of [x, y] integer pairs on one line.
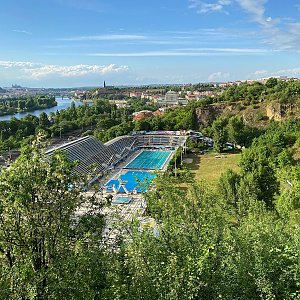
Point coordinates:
[[228, 187], [40, 248], [235, 129], [271, 82], [288, 202], [219, 133], [43, 120], [21, 104]]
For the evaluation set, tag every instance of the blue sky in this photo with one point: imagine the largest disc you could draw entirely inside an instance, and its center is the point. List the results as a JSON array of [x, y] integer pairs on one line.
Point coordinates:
[[69, 43]]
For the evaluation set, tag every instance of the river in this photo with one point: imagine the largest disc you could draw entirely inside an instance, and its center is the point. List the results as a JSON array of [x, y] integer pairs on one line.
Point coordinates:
[[62, 103]]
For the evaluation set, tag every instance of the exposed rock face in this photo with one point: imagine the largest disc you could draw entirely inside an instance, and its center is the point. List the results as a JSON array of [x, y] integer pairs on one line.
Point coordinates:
[[206, 115], [277, 111], [274, 111]]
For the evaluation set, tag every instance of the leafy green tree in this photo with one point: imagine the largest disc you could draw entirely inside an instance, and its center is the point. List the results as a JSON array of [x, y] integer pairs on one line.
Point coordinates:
[[288, 201], [219, 133], [254, 91], [21, 105], [43, 120], [235, 129], [228, 187], [41, 246], [271, 82], [255, 161]]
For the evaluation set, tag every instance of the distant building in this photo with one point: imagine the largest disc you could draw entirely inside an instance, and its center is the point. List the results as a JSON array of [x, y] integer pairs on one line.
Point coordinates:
[[119, 103], [170, 99], [191, 97], [135, 94], [144, 114]]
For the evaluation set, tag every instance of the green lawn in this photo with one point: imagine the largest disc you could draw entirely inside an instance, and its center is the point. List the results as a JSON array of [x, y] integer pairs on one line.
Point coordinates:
[[209, 168]]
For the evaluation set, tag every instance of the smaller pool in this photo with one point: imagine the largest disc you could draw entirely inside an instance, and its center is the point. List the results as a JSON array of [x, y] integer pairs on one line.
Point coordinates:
[[130, 181], [122, 200]]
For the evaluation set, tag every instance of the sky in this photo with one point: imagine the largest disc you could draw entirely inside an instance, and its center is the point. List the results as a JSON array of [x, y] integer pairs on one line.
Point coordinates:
[[73, 43]]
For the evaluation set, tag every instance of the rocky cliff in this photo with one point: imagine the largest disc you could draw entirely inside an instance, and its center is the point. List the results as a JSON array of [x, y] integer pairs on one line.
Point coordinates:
[[278, 111]]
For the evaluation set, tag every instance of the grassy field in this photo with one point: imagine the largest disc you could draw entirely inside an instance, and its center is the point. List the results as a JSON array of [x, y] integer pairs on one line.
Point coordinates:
[[209, 168]]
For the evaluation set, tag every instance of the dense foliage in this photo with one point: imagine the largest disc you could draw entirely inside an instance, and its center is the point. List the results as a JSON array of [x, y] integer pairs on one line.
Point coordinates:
[[232, 130], [273, 89], [46, 250], [13, 105], [204, 252]]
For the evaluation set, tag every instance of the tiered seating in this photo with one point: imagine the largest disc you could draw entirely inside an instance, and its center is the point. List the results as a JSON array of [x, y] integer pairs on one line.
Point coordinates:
[[159, 140], [122, 146], [88, 151]]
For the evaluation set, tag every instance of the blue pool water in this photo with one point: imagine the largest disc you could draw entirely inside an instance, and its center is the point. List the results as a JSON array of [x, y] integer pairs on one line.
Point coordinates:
[[122, 200], [139, 180], [149, 160]]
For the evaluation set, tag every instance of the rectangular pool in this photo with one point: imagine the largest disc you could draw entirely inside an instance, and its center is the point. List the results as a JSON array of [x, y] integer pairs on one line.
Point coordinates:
[[149, 160]]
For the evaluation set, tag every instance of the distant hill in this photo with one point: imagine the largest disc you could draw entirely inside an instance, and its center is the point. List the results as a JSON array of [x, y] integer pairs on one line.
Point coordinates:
[[2, 90]]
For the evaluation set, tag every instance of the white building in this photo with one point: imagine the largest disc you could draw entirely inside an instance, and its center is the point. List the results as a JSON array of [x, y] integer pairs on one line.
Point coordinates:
[[171, 99]]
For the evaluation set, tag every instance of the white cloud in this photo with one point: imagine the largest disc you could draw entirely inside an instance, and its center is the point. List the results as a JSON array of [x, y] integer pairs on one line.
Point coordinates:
[[22, 31], [229, 50], [13, 64], [292, 72], [38, 71], [218, 76], [281, 33], [253, 7], [260, 72], [204, 7], [105, 37], [186, 52], [256, 8], [289, 72]]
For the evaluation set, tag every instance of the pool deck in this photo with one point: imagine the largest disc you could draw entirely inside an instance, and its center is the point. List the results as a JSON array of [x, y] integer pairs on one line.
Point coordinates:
[[114, 215], [122, 212]]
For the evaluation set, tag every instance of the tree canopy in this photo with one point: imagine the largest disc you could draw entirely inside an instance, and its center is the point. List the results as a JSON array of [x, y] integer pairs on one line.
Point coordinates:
[[47, 251]]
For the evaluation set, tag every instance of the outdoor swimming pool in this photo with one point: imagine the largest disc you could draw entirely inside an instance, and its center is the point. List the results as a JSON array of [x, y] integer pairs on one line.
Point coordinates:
[[131, 180], [149, 160]]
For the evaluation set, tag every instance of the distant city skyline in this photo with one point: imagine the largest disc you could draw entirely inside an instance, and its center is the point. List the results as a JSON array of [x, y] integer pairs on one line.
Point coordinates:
[[72, 43]]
